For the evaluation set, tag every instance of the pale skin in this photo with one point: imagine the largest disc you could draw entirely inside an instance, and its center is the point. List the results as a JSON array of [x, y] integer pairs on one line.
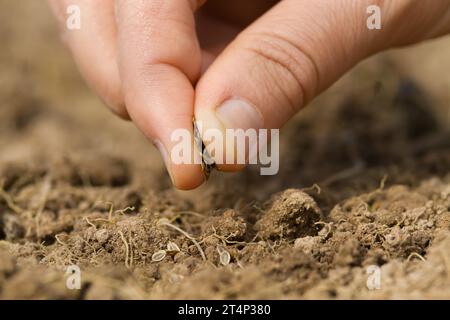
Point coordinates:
[[162, 62]]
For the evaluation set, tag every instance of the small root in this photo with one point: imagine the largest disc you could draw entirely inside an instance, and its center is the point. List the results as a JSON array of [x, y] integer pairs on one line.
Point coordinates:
[[46, 187], [59, 241], [165, 222], [89, 222], [383, 182], [127, 249], [10, 202], [192, 213], [326, 225], [111, 213], [416, 255], [315, 187]]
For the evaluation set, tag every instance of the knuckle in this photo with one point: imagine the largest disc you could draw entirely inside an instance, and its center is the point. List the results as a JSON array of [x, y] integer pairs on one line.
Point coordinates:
[[289, 67]]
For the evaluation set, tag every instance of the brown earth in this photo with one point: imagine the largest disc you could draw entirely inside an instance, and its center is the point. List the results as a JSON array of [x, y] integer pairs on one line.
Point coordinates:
[[364, 180]]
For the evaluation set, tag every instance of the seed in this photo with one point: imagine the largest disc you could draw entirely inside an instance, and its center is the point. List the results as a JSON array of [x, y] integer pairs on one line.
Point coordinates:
[[172, 247], [159, 255], [208, 163], [224, 256]]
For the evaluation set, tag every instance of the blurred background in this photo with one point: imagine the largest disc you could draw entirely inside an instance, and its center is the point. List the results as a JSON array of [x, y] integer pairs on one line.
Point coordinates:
[[46, 108]]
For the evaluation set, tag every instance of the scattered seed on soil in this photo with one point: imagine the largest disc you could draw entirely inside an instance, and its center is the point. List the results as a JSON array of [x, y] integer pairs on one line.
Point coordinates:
[[159, 256], [172, 247], [224, 256]]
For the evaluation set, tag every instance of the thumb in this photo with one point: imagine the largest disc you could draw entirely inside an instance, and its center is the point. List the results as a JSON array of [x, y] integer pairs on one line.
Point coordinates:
[[279, 63]]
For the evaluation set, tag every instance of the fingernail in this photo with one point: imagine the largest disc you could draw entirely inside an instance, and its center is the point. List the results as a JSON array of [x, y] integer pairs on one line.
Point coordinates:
[[162, 150], [239, 114]]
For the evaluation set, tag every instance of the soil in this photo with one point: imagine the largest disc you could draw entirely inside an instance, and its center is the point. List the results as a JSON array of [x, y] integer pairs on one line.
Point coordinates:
[[364, 181]]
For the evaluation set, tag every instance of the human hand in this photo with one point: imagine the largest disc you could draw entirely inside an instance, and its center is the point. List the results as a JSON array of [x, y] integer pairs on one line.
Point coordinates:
[[160, 62]]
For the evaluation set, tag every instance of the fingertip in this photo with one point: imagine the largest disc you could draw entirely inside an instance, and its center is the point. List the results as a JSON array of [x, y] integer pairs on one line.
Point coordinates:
[[187, 177], [233, 119], [184, 176]]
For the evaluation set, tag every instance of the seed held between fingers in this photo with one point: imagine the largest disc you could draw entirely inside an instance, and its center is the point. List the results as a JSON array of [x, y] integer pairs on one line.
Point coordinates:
[[208, 163]]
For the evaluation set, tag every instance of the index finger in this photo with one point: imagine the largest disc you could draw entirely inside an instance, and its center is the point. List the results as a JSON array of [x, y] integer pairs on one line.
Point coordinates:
[[159, 59]]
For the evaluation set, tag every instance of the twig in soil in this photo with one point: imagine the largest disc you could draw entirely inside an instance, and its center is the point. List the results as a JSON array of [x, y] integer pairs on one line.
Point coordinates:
[[123, 211], [111, 212], [383, 182], [10, 202], [89, 245], [315, 186], [225, 240], [415, 254], [44, 196], [127, 249], [90, 223], [131, 250], [165, 222], [403, 219], [192, 213], [66, 246], [273, 247], [326, 225], [59, 241]]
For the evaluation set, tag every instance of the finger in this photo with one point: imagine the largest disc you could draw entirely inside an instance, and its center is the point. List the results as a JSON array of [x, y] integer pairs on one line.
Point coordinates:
[[94, 47], [278, 64], [159, 59], [214, 35]]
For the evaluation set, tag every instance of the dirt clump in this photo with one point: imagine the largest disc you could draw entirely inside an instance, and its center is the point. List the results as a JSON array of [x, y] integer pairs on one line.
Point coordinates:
[[290, 214]]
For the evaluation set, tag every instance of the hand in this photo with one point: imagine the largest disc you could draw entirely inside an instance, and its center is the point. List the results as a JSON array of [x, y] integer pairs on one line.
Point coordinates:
[[159, 62]]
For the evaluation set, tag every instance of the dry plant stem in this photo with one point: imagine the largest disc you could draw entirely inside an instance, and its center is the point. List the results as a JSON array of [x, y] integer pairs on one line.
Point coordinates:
[[127, 249], [10, 202], [168, 224], [111, 213], [192, 213], [326, 225], [383, 182], [315, 187], [89, 222], [415, 254], [131, 250], [44, 195], [59, 240]]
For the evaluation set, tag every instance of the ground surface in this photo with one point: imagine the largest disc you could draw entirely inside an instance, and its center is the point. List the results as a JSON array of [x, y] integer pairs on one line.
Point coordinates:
[[364, 180]]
